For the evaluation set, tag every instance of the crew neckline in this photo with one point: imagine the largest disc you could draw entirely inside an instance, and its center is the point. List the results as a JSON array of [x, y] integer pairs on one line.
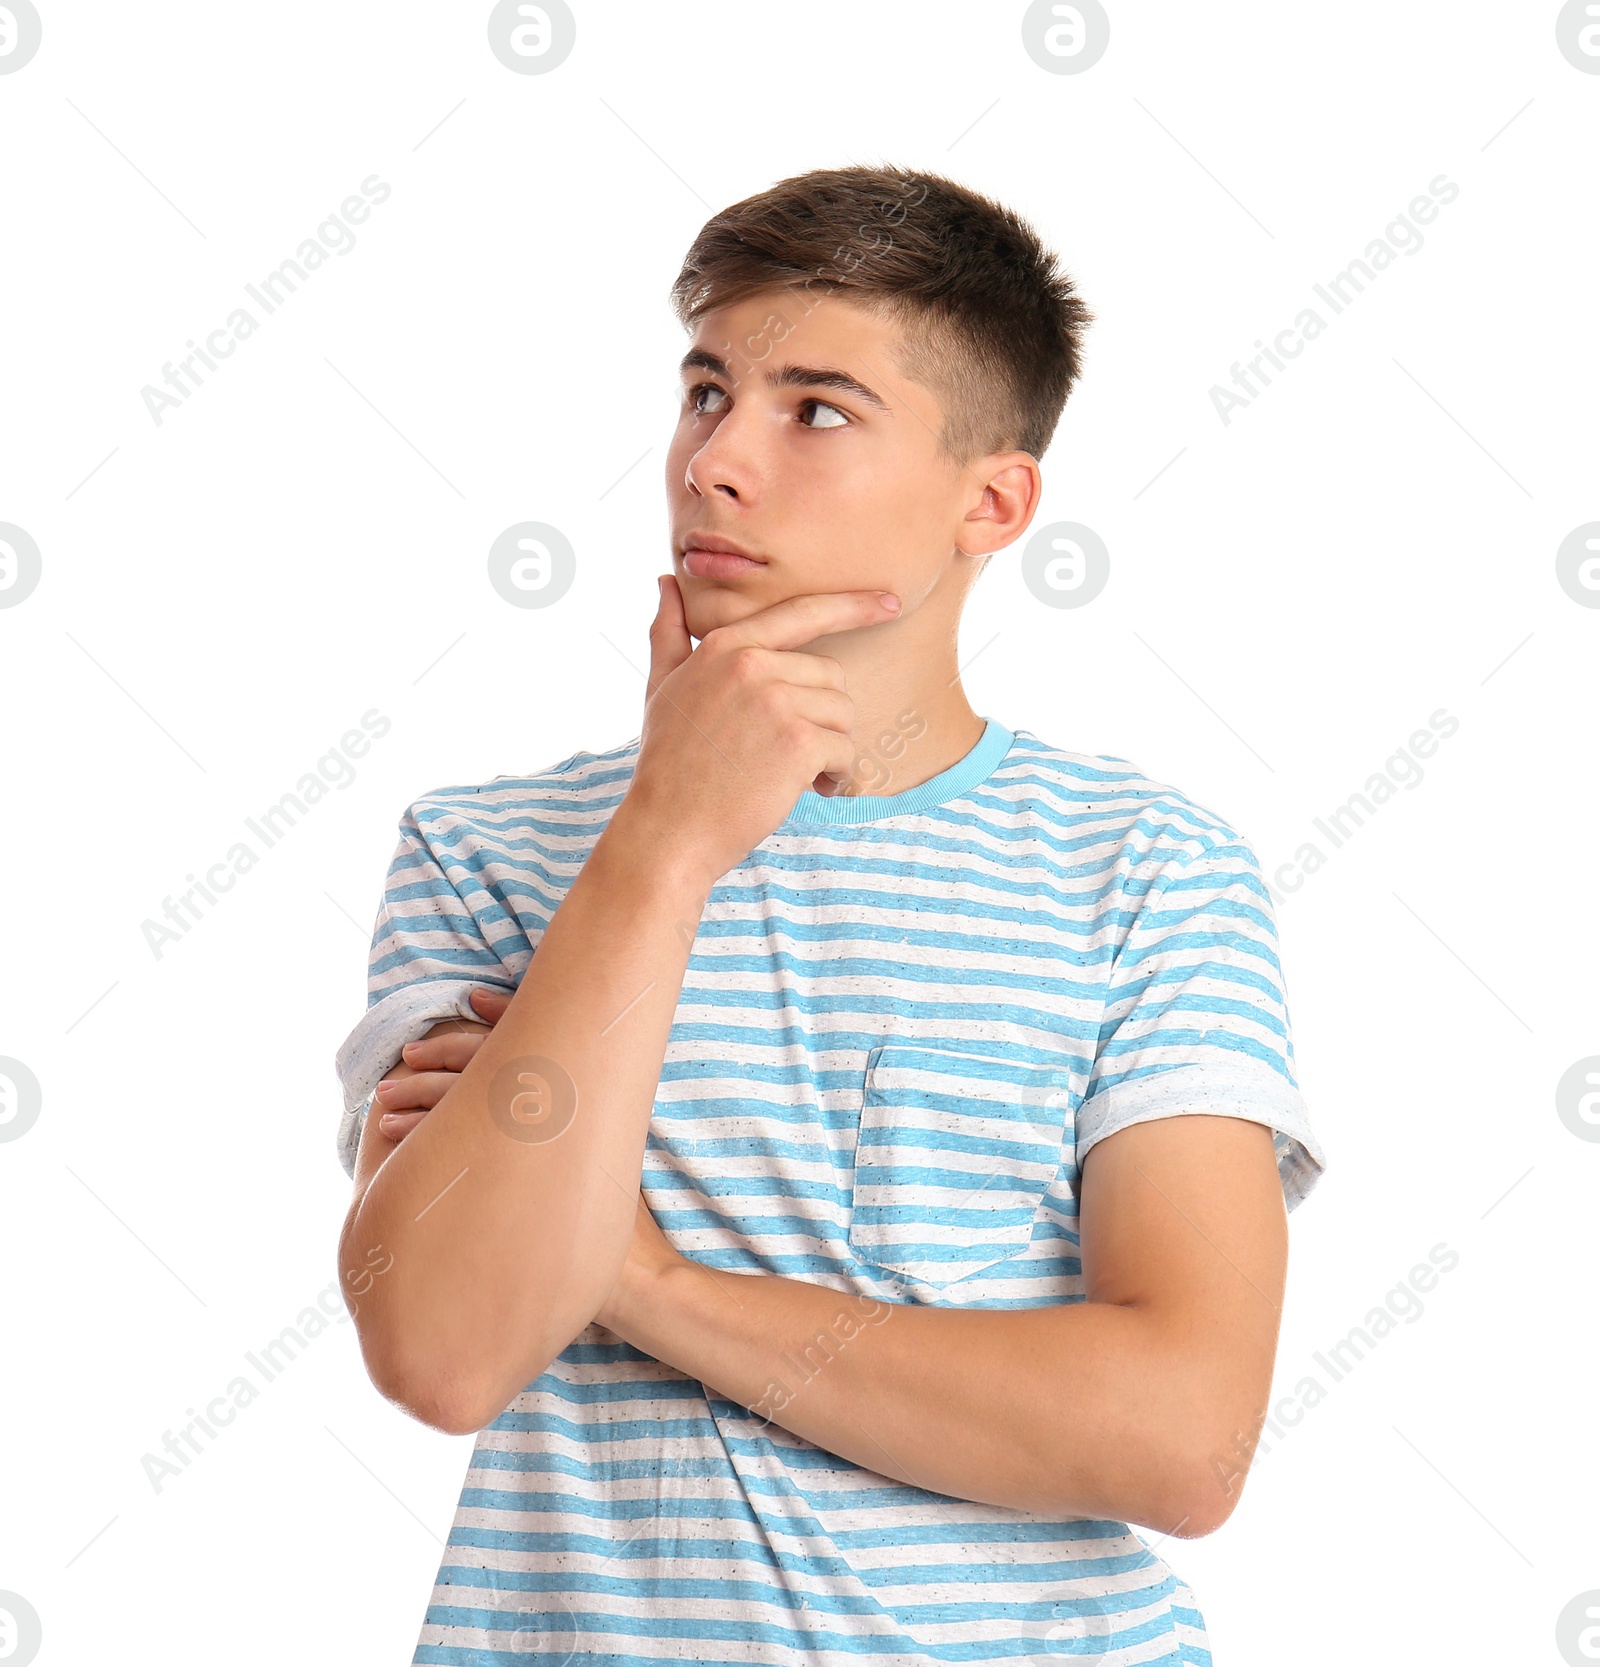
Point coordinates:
[[965, 773]]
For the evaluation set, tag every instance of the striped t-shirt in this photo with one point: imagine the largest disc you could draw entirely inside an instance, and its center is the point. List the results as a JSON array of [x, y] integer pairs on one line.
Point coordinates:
[[905, 1021]]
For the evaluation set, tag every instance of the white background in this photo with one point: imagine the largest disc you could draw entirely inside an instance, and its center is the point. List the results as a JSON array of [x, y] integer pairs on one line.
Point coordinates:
[[225, 593]]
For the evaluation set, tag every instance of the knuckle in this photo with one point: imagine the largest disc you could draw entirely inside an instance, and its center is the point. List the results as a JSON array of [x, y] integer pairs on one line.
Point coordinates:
[[744, 662]]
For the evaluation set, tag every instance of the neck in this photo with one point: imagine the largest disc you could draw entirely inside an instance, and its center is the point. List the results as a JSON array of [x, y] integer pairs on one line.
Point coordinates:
[[913, 718]]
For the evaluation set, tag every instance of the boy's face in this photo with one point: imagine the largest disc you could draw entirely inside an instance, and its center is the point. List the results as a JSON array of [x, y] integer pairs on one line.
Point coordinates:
[[833, 477]]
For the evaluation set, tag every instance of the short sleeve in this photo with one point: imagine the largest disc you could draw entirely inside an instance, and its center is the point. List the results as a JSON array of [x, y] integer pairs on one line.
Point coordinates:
[[1195, 1017], [441, 933]]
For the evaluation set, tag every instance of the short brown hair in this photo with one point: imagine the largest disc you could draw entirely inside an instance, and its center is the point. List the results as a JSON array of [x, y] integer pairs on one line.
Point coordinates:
[[989, 321]]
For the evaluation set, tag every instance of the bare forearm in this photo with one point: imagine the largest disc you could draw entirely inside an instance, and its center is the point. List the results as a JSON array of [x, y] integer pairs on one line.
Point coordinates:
[[505, 1220], [1075, 1410]]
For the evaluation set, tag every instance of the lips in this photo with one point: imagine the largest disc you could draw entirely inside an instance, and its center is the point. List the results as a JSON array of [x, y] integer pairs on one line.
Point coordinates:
[[716, 564], [708, 556]]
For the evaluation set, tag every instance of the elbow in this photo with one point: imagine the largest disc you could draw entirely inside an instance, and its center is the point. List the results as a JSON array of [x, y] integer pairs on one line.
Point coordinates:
[[1174, 1509], [423, 1383], [432, 1374], [1200, 1510], [1201, 1490], [1181, 1484], [453, 1399], [451, 1408], [444, 1361], [1179, 1495], [450, 1417], [1199, 1463]]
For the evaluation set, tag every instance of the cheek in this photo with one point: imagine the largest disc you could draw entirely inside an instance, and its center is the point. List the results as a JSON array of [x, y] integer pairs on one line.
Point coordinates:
[[897, 527]]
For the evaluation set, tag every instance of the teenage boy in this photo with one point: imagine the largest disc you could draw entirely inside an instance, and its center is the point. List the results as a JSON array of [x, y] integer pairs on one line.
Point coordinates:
[[862, 1194]]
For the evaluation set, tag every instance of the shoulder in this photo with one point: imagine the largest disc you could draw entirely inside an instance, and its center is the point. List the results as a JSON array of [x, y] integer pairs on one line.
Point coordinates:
[[1113, 807], [573, 797]]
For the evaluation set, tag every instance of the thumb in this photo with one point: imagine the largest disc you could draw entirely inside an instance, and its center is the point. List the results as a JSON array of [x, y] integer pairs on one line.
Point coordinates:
[[670, 643]]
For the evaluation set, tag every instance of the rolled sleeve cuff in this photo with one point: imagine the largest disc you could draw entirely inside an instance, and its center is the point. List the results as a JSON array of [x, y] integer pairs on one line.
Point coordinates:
[[1259, 1096], [372, 1049]]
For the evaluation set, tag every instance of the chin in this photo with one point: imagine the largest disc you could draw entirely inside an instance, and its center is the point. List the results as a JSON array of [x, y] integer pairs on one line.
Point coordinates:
[[711, 606]]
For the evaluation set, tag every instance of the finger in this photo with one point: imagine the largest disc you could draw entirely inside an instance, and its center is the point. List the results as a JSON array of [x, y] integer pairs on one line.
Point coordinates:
[[396, 1125], [836, 759], [819, 671], [491, 1003], [798, 620], [450, 1052], [670, 643], [826, 708], [426, 1089]]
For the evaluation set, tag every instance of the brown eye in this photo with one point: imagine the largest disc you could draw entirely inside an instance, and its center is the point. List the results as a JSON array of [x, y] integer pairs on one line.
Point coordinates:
[[822, 405]]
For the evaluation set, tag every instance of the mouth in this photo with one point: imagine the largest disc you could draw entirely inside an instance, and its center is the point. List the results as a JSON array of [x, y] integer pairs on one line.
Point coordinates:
[[707, 556]]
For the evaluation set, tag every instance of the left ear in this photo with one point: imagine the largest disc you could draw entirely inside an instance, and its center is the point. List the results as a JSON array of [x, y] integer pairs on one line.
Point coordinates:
[[1006, 504]]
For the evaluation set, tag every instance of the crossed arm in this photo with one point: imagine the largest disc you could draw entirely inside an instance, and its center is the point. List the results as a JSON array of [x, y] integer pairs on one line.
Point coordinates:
[[1134, 1405]]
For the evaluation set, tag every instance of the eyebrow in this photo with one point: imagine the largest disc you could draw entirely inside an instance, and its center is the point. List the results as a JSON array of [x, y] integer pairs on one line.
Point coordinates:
[[789, 376]]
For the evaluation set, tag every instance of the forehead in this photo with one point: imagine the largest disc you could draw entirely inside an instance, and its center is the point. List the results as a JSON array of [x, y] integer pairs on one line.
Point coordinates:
[[817, 326]]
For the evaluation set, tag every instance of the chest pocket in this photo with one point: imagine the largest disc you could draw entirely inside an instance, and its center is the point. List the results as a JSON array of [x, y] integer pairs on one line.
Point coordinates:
[[954, 1155]]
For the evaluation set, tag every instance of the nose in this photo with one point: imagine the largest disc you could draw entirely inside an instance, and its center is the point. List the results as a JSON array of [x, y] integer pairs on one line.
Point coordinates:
[[724, 464], [707, 475], [701, 491]]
